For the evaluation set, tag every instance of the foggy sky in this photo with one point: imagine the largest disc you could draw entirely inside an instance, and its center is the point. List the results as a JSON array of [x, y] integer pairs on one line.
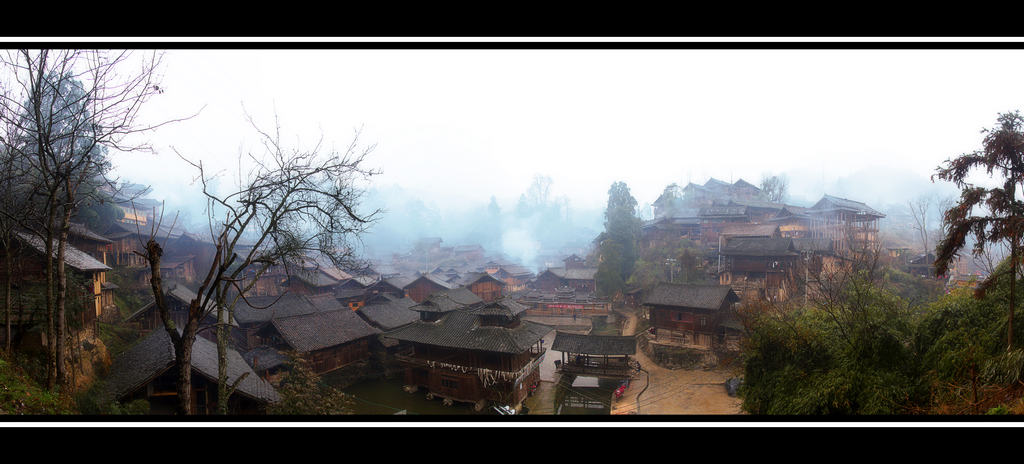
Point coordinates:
[[455, 127]]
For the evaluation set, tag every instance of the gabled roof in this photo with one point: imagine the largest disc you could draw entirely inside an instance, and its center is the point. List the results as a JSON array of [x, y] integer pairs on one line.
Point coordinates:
[[599, 345], [391, 314], [448, 300], [790, 211], [744, 184], [755, 203], [691, 295], [585, 273], [314, 278], [255, 309], [461, 330], [477, 276], [316, 331], [819, 245], [501, 307], [154, 354], [433, 279], [326, 302], [80, 230], [830, 203], [73, 257]]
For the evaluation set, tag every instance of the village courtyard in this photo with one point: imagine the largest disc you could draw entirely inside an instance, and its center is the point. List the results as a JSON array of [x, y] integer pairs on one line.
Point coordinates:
[[657, 391]]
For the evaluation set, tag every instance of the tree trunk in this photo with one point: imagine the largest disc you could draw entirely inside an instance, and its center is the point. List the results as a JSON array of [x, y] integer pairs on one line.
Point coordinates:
[[1013, 289], [61, 304], [182, 343]]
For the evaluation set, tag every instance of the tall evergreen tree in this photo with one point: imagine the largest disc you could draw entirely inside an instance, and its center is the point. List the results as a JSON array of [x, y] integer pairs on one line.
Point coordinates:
[[1002, 212], [619, 245]]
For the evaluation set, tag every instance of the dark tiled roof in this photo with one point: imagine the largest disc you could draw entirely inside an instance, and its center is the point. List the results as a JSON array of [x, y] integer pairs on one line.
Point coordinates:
[[265, 357], [448, 300], [502, 307], [391, 314], [723, 211], [326, 302], [586, 273], [821, 245], [311, 332], [264, 308], [831, 203], [749, 230], [400, 282], [82, 231], [73, 257], [461, 330], [758, 246], [604, 345], [436, 280], [315, 278], [691, 295], [154, 354], [473, 277]]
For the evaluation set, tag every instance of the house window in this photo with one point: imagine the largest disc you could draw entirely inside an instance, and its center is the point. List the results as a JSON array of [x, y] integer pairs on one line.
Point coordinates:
[[703, 320], [450, 382]]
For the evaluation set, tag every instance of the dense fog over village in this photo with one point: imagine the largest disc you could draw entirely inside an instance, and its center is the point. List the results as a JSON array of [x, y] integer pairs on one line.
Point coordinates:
[[449, 136], [742, 230]]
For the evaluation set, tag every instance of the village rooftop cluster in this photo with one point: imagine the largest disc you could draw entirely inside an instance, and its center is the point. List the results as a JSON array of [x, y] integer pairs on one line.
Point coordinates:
[[459, 321]]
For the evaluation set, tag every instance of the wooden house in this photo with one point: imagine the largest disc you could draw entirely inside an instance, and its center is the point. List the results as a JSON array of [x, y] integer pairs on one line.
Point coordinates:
[[179, 269], [714, 218], [469, 252], [479, 353], [27, 274], [98, 247], [691, 315], [392, 285], [328, 339], [484, 285], [146, 371], [178, 298], [253, 313], [515, 277], [602, 356], [758, 211], [683, 223], [579, 279], [922, 265], [312, 281], [389, 315], [818, 263], [759, 268], [424, 285], [574, 262], [793, 222], [852, 226]]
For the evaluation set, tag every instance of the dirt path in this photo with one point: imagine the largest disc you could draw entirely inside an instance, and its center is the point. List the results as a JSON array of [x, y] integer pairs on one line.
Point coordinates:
[[665, 391], [658, 391]]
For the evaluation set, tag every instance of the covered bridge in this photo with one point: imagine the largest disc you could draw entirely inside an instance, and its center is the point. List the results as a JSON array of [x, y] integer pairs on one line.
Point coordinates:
[[604, 356]]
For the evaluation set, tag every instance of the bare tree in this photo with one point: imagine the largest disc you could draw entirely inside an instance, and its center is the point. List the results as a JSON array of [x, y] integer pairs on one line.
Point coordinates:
[[774, 189], [539, 191], [919, 208], [293, 206], [62, 113]]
